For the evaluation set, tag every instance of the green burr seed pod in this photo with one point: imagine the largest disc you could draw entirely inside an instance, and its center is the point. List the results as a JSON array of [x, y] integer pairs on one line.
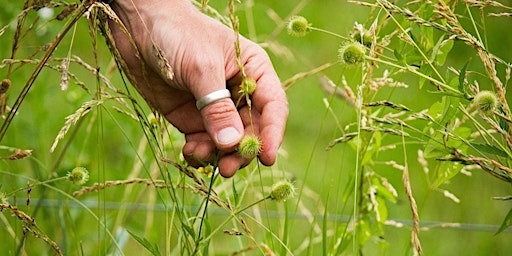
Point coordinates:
[[298, 26], [248, 86], [79, 175], [486, 101], [282, 191], [249, 147], [352, 53]]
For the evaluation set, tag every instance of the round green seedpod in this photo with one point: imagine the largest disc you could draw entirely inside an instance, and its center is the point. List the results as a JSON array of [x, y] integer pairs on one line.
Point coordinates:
[[249, 147], [248, 86], [352, 53], [298, 26], [486, 101], [79, 175], [282, 191]]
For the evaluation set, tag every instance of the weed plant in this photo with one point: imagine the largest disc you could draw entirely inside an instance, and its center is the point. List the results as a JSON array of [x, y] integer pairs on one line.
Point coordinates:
[[408, 130]]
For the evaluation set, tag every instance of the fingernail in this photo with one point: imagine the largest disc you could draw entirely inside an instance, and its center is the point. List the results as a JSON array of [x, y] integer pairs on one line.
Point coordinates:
[[228, 135]]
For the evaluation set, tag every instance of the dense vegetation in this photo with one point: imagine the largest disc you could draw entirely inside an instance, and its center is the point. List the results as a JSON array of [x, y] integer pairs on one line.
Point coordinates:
[[399, 139]]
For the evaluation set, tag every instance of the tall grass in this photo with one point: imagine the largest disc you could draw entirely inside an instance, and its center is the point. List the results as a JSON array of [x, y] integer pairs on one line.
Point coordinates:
[[379, 150]]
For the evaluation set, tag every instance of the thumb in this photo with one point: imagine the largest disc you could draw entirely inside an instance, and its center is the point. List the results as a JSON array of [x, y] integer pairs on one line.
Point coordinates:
[[222, 122]]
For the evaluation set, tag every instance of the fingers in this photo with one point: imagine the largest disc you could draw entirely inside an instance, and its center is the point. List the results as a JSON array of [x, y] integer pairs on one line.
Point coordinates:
[[269, 100]]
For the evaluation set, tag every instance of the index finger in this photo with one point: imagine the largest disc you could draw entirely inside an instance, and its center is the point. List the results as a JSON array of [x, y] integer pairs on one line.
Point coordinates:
[[269, 99]]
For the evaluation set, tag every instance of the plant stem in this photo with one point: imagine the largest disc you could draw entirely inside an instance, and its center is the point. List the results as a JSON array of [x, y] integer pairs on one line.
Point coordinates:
[[328, 32], [233, 215]]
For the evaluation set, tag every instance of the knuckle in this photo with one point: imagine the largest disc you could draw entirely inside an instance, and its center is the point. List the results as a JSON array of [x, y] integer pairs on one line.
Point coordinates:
[[220, 110]]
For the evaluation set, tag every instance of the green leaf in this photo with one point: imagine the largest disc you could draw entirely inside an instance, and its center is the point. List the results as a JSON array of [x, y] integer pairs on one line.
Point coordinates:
[[364, 229], [399, 57], [427, 71], [435, 50], [346, 240], [153, 249], [385, 193], [503, 122], [349, 189], [382, 209], [491, 149], [462, 78], [461, 133], [507, 222], [445, 172], [443, 52]]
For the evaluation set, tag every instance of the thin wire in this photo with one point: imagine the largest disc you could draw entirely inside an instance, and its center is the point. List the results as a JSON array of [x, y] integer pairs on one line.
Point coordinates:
[[397, 223]]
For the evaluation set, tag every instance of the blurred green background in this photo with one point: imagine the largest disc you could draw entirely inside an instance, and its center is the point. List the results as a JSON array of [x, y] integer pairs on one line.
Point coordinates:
[[310, 128]]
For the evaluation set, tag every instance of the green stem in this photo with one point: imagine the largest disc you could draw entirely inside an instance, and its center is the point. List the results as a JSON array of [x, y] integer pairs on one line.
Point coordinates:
[[233, 215], [328, 32], [37, 184]]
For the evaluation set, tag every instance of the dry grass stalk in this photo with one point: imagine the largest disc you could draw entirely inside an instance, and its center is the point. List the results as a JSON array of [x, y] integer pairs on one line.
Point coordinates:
[[60, 68], [52, 46], [29, 222], [262, 247], [73, 119], [19, 154], [45, 238], [160, 184], [415, 241], [331, 88], [25, 218], [289, 82]]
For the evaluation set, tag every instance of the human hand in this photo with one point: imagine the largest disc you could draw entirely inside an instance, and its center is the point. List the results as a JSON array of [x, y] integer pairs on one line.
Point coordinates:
[[201, 53]]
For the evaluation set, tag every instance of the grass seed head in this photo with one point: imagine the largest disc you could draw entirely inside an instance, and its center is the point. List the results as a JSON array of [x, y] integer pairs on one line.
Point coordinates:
[[249, 147], [282, 191], [3, 198], [486, 101], [298, 26], [352, 53], [79, 175]]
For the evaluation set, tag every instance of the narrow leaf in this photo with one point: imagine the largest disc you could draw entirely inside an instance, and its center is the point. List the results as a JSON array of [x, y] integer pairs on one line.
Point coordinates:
[[153, 249], [491, 149], [462, 77], [507, 222]]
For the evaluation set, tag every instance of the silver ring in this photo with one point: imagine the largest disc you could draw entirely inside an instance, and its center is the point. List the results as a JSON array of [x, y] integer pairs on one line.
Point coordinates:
[[212, 97]]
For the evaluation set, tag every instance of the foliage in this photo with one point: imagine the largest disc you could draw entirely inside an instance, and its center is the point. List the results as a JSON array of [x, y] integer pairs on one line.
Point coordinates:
[[403, 112]]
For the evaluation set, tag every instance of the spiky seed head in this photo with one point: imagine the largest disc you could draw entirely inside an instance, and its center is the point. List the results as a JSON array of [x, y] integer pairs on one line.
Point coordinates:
[[248, 86], [486, 101], [282, 191], [249, 147], [79, 175], [352, 53], [298, 26]]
